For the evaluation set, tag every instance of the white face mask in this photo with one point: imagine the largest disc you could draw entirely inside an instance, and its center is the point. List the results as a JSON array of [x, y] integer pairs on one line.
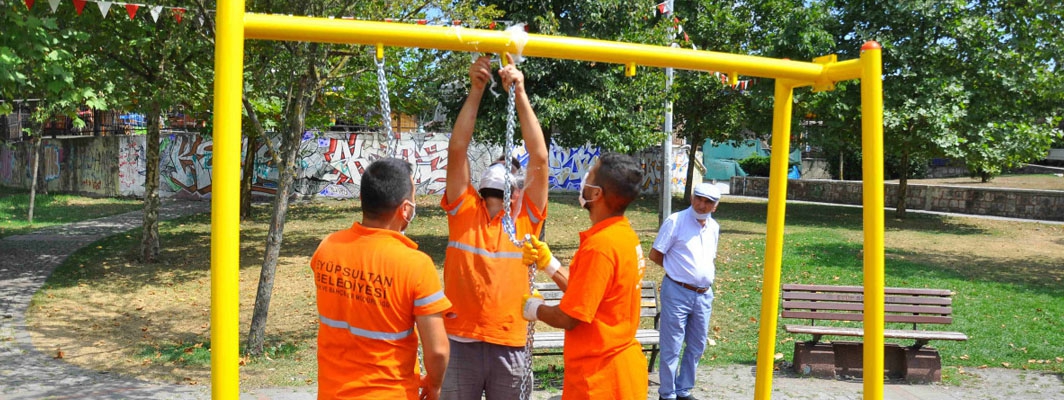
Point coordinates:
[[584, 184], [702, 216]]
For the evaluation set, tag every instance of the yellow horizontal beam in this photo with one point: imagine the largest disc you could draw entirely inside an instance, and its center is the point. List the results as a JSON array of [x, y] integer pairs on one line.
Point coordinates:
[[457, 38]]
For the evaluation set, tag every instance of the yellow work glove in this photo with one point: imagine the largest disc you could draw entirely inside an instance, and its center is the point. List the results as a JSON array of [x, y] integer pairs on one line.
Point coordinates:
[[530, 308], [535, 251]]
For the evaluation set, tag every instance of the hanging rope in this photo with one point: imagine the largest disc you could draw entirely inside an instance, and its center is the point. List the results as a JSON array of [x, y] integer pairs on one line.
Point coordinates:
[[386, 108]]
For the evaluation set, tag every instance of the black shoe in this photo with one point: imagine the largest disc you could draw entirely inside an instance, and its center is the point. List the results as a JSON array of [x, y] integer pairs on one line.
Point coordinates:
[[689, 397]]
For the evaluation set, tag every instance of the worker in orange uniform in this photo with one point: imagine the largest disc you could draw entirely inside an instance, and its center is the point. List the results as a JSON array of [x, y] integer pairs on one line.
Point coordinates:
[[482, 272], [373, 289], [600, 308]]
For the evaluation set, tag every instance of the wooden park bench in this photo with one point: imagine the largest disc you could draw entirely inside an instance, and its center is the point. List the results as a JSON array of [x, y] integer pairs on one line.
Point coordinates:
[[551, 343], [915, 307]]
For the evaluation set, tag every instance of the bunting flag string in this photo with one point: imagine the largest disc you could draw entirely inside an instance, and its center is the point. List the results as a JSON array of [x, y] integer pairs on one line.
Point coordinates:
[[666, 8], [131, 9], [180, 13]]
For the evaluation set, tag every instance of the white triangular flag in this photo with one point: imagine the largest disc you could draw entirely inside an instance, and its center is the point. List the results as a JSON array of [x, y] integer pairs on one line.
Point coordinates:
[[155, 11], [200, 19], [104, 7], [54, 4]]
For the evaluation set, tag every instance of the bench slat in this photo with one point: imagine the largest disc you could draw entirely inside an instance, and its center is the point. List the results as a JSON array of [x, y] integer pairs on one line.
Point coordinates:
[[890, 308], [858, 298], [888, 333], [556, 339], [834, 316], [648, 308], [792, 287]]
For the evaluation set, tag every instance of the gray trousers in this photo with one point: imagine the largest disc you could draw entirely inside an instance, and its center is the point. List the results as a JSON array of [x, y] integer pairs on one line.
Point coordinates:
[[483, 369]]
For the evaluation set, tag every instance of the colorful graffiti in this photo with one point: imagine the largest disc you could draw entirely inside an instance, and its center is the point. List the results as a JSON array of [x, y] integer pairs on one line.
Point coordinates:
[[50, 157], [131, 166], [329, 164], [185, 166]]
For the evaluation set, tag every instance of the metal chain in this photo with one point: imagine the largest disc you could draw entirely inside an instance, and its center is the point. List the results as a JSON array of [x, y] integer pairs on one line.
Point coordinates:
[[386, 108], [507, 219], [527, 380], [511, 232]]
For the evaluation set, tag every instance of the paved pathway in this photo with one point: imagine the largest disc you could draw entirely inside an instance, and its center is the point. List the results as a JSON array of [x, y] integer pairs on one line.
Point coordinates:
[[25, 262], [25, 373]]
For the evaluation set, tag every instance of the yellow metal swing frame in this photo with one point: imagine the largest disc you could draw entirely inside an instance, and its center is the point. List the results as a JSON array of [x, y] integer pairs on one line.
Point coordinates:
[[234, 26]]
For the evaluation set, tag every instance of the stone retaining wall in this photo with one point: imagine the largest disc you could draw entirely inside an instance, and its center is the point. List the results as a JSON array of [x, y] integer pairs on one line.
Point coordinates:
[[1001, 202]]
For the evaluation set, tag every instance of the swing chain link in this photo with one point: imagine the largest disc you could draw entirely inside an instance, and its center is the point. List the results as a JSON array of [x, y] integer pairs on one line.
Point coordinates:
[[528, 380], [511, 232], [386, 107], [507, 219]]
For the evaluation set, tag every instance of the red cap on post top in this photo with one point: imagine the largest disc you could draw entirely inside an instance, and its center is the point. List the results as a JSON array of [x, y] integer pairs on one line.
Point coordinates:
[[871, 45]]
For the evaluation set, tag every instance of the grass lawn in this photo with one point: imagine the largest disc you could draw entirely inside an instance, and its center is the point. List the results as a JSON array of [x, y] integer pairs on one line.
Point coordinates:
[[54, 209], [106, 312]]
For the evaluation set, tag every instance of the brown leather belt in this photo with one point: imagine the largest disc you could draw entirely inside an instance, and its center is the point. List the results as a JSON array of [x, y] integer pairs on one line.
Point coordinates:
[[693, 288]]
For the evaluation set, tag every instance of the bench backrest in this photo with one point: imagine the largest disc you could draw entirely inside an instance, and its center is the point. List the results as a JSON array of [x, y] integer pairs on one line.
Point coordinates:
[[648, 306], [846, 303]]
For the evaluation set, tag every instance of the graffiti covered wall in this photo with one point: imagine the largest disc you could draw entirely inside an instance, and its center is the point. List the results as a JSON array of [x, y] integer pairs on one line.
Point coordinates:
[[330, 164]]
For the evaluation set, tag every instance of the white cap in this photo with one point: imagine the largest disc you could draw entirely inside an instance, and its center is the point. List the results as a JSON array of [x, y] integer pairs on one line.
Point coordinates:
[[495, 178], [707, 190]]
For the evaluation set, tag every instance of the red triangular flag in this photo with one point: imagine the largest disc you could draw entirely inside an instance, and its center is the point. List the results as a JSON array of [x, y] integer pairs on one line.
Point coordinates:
[[131, 9], [686, 38], [661, 8], [79, 5], [178, 13], [29, 4]]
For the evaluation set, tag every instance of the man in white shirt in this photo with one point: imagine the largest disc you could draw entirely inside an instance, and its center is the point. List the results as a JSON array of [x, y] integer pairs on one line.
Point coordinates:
[[686, 246]]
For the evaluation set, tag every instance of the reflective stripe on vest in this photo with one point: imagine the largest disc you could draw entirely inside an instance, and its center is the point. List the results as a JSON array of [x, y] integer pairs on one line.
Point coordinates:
[[428, 299], [454, 211], [365, 333], [483, 252]]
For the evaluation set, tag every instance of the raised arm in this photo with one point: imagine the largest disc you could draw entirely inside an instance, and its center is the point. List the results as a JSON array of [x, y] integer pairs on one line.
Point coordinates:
[[537, 173], [462, 134]]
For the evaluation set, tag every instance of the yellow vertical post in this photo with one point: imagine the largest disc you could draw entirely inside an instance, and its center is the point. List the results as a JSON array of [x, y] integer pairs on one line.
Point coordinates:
[[777, 198], [225, 200], [872, 160]]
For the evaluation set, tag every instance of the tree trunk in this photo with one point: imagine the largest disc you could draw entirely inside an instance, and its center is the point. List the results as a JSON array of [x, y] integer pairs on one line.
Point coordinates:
[[42, 178], [689, 187], [149, 240], [249, 158], [246, 180], [903, 185], [36, 164], [289, 151]]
